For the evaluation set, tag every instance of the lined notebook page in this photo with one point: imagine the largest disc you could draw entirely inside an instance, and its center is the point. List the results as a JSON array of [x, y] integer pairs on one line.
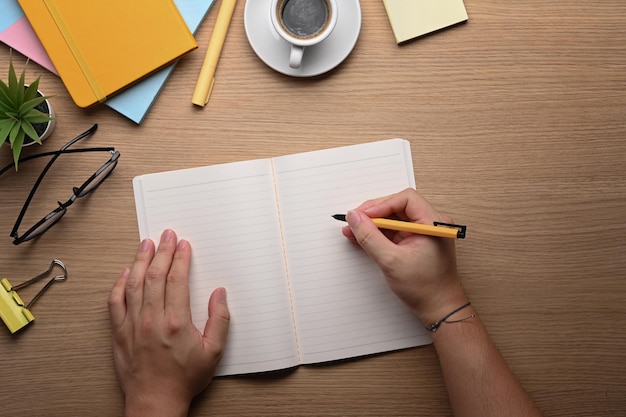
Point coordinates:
[[343, 306], [229, 214]]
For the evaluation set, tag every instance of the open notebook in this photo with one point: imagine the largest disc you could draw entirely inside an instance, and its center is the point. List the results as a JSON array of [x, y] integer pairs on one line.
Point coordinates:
[[298, 291]]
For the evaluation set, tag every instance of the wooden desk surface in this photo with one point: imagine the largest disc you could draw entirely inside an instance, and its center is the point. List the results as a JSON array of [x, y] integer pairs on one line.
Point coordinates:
[[517, 122]]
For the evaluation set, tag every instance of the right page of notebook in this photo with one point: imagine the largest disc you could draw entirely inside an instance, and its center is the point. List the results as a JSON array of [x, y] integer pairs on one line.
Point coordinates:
[[342, 305]]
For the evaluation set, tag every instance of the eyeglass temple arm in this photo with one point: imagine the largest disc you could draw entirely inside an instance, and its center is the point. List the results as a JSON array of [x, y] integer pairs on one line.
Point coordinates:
[[60, 151], [41, 155], [43, 173]]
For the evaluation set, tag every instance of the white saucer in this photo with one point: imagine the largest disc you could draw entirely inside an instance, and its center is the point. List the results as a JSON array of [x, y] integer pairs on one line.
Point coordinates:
[[318, 59]]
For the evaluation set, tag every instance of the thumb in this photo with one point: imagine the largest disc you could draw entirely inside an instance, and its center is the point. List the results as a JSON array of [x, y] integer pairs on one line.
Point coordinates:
[[369, 237], [216, 327]]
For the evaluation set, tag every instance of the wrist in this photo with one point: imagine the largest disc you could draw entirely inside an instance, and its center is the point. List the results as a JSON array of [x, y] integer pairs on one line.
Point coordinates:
[[457, 315], [443, 304], [155, 405]]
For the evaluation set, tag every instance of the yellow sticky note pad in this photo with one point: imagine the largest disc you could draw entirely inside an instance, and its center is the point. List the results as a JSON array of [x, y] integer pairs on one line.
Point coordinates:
[[413, 18]]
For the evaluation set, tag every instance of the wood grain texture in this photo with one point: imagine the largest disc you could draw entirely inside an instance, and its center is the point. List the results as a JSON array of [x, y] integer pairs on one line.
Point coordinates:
[[518, 129]]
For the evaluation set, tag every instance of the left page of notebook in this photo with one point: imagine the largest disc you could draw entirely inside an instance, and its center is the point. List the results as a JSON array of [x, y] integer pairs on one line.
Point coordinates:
[[229, 215]]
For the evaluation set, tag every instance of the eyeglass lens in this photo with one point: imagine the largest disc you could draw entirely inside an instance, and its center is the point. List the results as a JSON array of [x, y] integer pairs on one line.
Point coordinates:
[[100, 175], [44, 224]]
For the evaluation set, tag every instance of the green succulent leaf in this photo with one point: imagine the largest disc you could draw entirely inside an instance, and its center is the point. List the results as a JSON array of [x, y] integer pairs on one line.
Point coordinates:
[[5, 97], [28, 129], [4, 110], [6, 126], [16, 88], [31, 91], [20, 90], [29, 105], [12, 80], [35, 116], [15, 130], [4, 122], [16, 145]]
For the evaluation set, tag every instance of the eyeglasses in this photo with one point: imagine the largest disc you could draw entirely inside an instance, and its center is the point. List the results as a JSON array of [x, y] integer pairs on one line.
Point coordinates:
[[87, 187]]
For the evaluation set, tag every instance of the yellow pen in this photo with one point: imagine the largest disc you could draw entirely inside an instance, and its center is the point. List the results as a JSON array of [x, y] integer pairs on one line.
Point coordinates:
[[438, 229], [206, 79]]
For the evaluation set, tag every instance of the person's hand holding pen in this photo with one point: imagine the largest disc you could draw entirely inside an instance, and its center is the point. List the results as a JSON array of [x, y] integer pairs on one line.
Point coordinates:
[[420, 269]]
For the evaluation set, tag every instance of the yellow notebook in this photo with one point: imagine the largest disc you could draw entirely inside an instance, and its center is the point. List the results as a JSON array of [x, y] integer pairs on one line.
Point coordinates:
[[100, 47]]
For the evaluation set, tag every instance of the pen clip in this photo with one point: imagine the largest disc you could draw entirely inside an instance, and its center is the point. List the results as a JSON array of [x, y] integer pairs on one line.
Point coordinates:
[[461, 229]]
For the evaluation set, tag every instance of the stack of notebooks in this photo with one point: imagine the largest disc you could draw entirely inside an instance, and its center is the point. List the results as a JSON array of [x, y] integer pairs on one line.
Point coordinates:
[[118, 52]]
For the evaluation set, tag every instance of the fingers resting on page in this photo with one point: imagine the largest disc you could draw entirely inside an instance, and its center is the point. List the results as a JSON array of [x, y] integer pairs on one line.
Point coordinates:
[[160, 356]]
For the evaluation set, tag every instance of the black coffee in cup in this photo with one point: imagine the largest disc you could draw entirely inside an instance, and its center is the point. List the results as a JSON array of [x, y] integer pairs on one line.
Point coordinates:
[[304, 18]]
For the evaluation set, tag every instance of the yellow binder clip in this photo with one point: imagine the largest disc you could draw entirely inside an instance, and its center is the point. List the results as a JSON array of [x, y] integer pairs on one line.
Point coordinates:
[[12, 309]]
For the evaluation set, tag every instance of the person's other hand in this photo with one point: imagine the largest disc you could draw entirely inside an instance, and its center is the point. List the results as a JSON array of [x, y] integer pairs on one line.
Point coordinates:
[[421, 270], [162, 360]]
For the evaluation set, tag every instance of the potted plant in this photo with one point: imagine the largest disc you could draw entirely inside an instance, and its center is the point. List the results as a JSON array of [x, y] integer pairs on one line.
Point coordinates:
[[26, 116]]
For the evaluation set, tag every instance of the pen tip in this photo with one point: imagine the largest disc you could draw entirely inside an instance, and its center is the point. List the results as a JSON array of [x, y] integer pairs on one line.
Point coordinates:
[[341, 217]]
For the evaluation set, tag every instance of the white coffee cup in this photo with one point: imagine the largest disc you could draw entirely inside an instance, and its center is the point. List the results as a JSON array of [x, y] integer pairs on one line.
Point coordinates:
[[303, 23]]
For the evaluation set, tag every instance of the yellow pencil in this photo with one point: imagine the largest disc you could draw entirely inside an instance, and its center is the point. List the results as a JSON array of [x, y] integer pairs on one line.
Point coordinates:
[[206, 79], [439, 229]]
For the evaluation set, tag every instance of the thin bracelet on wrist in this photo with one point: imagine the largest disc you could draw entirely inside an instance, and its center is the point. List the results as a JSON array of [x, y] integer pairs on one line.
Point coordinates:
[[433, 327]]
